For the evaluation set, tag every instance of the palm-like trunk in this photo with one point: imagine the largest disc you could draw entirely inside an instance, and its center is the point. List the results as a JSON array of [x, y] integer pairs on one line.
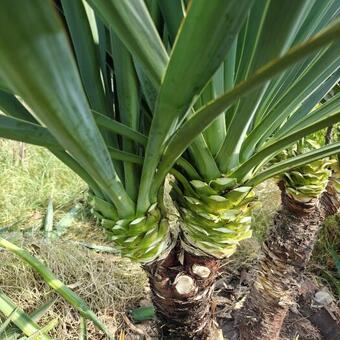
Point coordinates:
[[181, 287], [214, 218], [330, 199], [285, 254]]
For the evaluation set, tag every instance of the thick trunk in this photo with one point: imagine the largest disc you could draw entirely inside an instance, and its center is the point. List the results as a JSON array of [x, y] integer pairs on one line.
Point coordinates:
[[330, 200], [182, 286], [286, 252]]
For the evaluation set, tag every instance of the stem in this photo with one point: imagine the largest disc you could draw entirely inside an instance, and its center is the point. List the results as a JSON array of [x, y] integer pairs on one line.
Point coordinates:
[[181, 286], [286, 252]]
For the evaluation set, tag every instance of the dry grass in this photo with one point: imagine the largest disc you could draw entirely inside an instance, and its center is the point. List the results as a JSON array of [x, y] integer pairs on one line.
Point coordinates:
[[111, 286]]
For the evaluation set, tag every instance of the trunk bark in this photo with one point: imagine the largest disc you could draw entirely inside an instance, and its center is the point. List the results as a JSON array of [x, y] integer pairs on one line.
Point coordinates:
[[286, 252], [330, 200], [182, 286]]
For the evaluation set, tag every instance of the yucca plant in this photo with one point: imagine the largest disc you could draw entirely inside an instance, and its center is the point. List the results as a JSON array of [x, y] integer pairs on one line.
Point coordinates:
[[288, 247], [125, 92], [309, 194]]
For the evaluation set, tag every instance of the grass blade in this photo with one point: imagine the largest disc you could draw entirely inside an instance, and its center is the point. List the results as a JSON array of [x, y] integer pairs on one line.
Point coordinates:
[[35, 316], [47, 328]]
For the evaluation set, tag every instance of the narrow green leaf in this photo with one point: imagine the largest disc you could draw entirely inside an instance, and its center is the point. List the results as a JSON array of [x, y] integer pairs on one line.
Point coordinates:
[[133, 24], [14, 331], [86, 53], [188, 168], [125, 156], [207, 114], [206, 34], [83, 329], [66, 221], [128, 104], [275, 146], [320, 15], [319, 113], [275, 36], [173, 13], [6, 323], [214, 135], [301, 89], [18, 316], [119, 128], [12, 107], [47, 328], [42, 310], [306, 109], [33, 48], [97, 247], [155, 13], [143, 313], [19, 130], [297, 161]]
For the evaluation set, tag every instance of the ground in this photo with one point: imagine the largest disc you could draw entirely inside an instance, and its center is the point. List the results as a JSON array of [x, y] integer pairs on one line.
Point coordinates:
[[112, 286]]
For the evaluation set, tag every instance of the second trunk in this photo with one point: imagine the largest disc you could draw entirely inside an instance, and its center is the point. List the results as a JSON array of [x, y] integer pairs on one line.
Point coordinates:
[[286, 252]]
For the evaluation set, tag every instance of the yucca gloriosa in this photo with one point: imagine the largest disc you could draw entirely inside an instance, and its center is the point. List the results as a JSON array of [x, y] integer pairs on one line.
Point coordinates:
[[288, 246], [208, 91]]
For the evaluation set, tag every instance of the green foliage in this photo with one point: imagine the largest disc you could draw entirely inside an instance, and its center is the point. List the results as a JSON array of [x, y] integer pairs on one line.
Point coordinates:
[[308, 181], [31, 175], [325, 261], [143, 238], [215, 90], [215, 219], [23, 321]]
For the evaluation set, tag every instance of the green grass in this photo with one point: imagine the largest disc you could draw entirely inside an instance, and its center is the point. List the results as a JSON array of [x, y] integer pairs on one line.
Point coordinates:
[[28, 179], [325, 261]]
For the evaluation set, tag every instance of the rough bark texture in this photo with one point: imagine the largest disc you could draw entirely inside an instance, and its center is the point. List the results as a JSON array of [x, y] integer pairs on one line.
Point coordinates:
[[182, 286], [286, 252], [330, 201]]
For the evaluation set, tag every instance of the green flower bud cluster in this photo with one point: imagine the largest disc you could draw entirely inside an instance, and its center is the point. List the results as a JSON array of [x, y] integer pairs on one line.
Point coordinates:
[[141, 238], [308, 181], [216, 215]]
